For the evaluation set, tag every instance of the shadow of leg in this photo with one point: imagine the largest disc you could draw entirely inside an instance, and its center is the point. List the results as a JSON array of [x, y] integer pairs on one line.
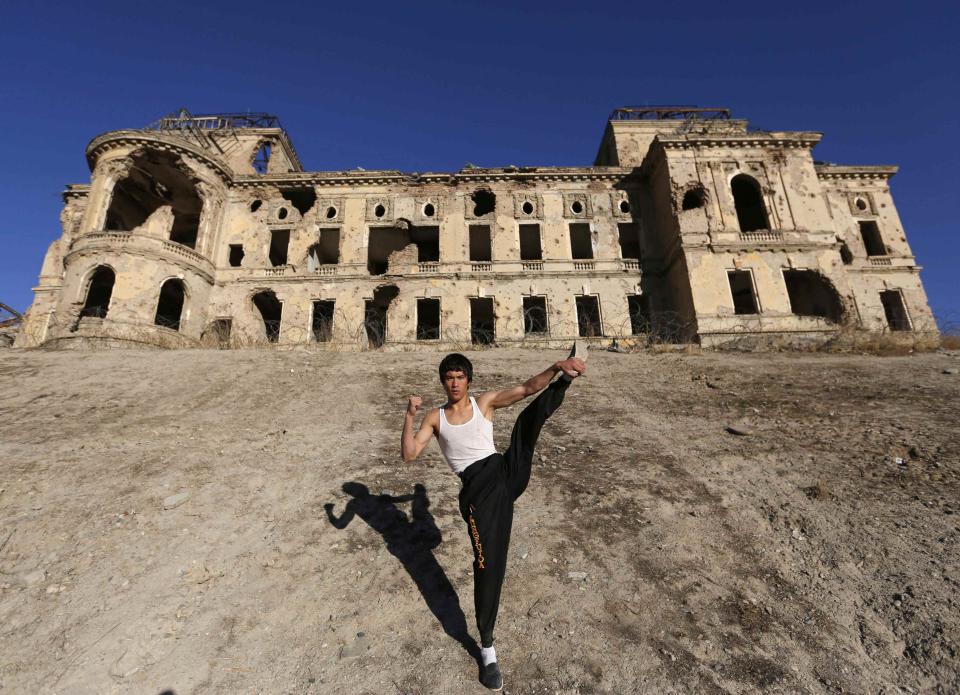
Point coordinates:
[[412, 542]]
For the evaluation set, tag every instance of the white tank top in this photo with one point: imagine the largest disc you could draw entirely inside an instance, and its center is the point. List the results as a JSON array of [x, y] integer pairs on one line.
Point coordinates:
[[467, 443]]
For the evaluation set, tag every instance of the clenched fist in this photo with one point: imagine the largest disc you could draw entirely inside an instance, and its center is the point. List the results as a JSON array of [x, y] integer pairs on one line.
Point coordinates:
[[414, 404]]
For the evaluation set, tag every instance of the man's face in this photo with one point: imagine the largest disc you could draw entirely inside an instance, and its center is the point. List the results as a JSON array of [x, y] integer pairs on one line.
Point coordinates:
[[455, 384]]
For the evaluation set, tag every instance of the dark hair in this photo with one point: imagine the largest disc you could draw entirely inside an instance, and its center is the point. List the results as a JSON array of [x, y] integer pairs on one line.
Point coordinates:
[[455, 362]]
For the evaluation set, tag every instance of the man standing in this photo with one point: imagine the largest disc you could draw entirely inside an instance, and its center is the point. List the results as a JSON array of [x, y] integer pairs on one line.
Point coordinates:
[[491, 481]]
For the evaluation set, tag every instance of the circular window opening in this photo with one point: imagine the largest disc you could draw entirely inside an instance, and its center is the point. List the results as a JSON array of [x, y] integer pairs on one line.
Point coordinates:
[[380, 211], [282, 214], [624, 207], [577, 207], [429, 210], [331, 212], [255, 205], [527, 208], [861, 204]]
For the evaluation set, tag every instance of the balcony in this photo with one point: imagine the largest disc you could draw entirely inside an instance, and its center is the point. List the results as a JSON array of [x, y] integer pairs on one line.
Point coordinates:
[[763, 235], [531, 265], [584, 265], [430, 267], [481, 266], [127, 242], [880, 261]]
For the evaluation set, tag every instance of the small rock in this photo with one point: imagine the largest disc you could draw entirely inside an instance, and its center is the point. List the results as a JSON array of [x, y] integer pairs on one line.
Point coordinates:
[[174, 501], [35, 577], [358, 647], [951, 370], [577, 576], [738, 430]]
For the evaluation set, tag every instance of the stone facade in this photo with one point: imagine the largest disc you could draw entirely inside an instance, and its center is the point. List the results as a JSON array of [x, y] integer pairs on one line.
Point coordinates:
[[689, 226]]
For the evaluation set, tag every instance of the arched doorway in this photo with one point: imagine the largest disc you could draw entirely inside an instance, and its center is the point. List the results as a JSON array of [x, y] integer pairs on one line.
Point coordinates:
[[271, 311], [170, 304], [99, 292]]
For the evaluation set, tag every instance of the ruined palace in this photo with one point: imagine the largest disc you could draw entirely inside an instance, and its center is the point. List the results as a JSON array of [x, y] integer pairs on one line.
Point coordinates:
[[689, 226]]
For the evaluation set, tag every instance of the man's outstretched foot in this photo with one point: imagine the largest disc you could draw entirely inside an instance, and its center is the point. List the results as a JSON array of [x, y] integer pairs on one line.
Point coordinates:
[[579, 352], [491, 677]]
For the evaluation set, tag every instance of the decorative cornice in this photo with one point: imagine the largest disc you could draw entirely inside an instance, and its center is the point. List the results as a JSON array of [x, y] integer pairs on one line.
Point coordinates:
[[398, 178], [837, 171], [804, 140], [154, 140]]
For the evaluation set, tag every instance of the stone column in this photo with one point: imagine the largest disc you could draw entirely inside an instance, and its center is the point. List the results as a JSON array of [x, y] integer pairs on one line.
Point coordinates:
[[106, 175], [209, 218]]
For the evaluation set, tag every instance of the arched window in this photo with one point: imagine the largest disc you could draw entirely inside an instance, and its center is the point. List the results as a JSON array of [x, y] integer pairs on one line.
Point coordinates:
[[99, 292], [271, 311], [748, 198], [261, 160], [170, 304]]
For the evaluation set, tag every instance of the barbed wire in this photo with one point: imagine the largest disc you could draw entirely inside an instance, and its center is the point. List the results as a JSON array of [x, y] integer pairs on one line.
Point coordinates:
[[635, 331]]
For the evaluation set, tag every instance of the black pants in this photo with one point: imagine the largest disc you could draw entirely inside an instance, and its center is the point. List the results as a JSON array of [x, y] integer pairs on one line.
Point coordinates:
[[490, 486]]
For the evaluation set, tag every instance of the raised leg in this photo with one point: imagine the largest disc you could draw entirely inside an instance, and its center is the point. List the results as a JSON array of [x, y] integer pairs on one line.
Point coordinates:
[[518, 458]]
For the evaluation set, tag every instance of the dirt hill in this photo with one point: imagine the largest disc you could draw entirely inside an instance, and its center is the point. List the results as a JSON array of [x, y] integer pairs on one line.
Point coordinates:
[[165, 526]]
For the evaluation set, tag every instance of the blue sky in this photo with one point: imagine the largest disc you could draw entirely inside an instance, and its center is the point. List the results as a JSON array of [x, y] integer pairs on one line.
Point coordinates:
[[432, 86]]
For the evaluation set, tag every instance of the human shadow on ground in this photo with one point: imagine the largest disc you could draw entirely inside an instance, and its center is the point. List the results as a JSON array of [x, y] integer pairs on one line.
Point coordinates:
[[411, 541]]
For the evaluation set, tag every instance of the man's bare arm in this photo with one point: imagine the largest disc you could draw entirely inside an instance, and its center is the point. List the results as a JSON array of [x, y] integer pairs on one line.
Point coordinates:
[[501, 399], [412, 444]]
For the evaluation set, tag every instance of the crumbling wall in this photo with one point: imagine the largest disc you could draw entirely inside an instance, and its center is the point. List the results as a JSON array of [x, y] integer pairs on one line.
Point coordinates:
[[679, 205]]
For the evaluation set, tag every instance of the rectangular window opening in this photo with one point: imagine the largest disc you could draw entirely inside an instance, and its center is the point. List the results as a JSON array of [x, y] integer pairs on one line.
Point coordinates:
[[480, 247], [427, 240], [328, 248], [279, 243], [530, 249], [581, 244], [236, 255], [638, 306], [322, 327], [894, 310], [428, 319], [535, 315], [588, 316], [629, 237], [741, 287], [872, 241], [481, 321]]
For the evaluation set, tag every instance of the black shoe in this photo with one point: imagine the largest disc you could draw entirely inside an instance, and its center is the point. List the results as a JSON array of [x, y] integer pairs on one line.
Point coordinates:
[[491, 677]]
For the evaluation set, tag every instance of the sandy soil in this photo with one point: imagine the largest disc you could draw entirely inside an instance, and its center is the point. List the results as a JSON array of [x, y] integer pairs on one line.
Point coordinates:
[[654, 552]]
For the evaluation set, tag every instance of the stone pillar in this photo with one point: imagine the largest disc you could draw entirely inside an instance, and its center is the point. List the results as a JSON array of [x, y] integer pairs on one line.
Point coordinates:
[[106, 175], [209, 218]]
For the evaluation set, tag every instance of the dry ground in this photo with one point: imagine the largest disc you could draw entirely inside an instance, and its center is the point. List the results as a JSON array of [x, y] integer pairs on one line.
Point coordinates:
[[817, 554]]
